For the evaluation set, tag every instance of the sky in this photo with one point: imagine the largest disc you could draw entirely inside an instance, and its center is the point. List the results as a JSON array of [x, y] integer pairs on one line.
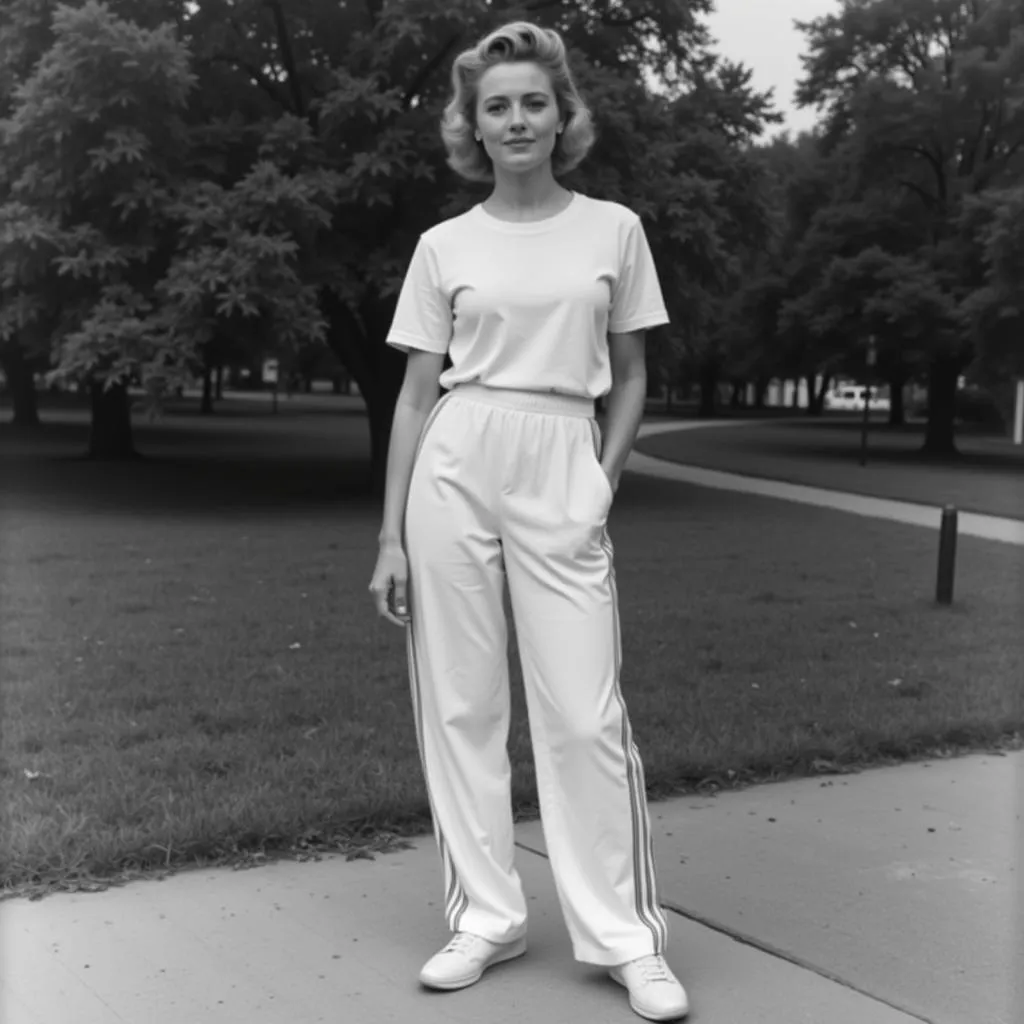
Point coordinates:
[[761, 35]]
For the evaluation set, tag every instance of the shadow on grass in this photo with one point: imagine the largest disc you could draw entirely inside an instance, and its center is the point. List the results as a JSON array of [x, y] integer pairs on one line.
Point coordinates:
[[192, 466], [191, 470]]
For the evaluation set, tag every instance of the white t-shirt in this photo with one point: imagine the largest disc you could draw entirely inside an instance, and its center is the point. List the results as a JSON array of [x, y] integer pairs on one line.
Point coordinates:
[[528, 306]]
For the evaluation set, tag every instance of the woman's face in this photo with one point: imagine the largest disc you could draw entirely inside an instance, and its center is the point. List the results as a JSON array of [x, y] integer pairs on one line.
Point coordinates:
[[517, 116]]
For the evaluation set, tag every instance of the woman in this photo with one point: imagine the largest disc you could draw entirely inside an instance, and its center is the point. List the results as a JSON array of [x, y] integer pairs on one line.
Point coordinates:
[[541, 297]]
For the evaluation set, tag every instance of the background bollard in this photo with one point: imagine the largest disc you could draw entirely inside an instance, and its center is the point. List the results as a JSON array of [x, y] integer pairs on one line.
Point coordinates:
[[947, 556]]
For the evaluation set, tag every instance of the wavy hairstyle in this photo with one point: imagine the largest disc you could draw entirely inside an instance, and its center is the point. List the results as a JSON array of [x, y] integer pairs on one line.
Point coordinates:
[[515, 42]]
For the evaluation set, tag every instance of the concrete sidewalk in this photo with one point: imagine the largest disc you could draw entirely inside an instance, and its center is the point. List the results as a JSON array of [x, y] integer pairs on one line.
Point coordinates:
[[971, 524], [886, 897]]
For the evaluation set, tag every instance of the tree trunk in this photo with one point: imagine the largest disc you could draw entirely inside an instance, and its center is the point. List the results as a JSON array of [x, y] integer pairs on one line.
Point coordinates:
[[736, 398], [940, 433], [897, 409], [378, 369], [21, 383], [219, 384], [708, 390], [813, 406], [110, 434], [816, 395], [760, 392], [206, 407]]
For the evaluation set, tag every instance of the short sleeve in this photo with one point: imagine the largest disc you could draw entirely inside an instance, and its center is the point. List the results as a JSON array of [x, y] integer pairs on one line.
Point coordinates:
[[637, 302], [423, 315]]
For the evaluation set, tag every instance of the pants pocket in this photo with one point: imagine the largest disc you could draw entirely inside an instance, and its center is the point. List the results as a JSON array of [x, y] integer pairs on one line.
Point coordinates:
[[604, 482]]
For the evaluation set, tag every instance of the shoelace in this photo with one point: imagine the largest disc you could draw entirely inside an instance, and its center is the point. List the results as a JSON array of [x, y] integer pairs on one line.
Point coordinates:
[[653, 968], [461, 941]]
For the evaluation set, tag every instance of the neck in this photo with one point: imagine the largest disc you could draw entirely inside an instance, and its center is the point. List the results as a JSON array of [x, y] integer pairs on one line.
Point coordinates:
[[524, 193]]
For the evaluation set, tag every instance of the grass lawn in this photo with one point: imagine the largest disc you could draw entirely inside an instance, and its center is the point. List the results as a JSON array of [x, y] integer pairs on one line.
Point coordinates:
[[987, 477], [192, 670]]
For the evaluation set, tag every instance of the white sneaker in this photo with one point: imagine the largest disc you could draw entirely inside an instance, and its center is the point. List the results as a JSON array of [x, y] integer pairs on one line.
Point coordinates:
[[654, 991], [463, 961]]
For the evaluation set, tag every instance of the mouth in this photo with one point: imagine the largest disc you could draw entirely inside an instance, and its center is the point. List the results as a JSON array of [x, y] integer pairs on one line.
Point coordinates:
[[519, 143]]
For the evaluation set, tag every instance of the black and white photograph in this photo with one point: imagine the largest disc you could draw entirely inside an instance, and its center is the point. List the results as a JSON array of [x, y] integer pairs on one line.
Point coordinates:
[[511, 511]]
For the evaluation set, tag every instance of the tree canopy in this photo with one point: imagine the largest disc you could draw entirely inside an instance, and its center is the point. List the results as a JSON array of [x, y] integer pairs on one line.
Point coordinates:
[[189, 177], [923, 104], [259, 172]]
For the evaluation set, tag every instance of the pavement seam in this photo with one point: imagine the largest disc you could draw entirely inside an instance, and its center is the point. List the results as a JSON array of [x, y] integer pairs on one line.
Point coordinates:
[[781, 954], [770, 950]]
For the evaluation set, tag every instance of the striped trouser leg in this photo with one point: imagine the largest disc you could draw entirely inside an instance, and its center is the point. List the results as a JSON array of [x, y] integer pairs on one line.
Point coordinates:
[[590, 779], [458, 669]]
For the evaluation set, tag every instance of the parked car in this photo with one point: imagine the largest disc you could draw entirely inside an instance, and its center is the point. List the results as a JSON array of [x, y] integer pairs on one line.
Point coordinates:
[[850, 398]]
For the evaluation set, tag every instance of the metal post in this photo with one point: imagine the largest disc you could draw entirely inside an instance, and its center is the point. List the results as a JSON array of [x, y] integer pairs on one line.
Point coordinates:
[[947, 556]]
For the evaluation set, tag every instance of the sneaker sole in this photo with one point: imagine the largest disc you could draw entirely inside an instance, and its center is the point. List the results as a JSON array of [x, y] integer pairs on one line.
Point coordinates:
[[649, 1014], [513, 950]]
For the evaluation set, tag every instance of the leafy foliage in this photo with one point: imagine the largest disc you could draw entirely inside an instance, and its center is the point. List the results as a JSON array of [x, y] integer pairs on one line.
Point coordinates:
[[91, 149], [259, 172], [889, 222]]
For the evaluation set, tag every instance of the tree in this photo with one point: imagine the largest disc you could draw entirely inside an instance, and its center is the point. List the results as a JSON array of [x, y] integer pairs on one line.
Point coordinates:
[[370, 82], [91, 145], [306, 161], [994, 313], [24, 37], [759, 343], [923, 98], [155, 230]]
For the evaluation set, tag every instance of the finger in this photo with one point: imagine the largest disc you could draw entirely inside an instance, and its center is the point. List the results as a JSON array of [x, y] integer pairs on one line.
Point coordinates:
[[380, 599], [394, 619], [384, 608]]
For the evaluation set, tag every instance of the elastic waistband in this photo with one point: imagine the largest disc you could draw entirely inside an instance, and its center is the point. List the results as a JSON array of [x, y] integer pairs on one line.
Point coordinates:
[[528, 401]]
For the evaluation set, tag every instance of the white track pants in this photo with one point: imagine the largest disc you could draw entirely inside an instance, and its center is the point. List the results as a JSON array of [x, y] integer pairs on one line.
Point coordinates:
[[508, 484]]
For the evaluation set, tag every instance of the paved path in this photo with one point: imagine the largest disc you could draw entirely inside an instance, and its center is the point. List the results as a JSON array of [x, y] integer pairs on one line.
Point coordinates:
[[1008, 531], [888, 897]]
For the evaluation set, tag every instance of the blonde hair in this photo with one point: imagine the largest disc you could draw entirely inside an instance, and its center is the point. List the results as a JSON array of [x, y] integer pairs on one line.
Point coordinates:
[[519, 41]]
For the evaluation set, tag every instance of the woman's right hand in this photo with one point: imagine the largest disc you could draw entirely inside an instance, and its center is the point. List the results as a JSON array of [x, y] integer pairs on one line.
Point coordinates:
[[390, 579]]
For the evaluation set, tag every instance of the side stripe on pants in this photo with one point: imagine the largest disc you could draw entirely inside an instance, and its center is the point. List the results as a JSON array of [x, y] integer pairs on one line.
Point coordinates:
[[647, 907], [456, 901]]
